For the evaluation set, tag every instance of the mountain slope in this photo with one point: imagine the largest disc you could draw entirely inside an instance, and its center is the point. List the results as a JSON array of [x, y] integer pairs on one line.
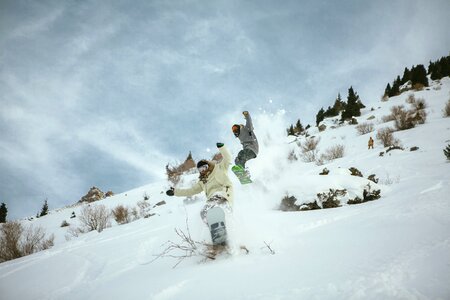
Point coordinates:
[[397, 247]]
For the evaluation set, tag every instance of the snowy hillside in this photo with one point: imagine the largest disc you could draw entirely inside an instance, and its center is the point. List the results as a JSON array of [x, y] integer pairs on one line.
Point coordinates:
[[396, 247]]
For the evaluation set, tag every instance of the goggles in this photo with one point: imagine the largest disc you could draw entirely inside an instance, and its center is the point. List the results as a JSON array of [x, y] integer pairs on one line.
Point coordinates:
[[203, 168]]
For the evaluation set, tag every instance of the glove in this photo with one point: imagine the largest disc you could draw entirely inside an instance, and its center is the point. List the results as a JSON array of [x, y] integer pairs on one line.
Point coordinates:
[[245, 113], [219, 145], [170, 192]]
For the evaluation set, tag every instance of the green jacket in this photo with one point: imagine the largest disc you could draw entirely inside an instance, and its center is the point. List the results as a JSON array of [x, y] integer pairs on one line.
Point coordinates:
[[217, 182]]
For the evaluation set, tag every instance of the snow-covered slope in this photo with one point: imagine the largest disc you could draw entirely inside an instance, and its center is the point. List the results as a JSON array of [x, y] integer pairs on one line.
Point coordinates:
[[397, 247]]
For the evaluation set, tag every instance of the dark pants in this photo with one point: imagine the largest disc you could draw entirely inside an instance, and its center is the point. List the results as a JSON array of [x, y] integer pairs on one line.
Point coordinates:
[[243, 156]]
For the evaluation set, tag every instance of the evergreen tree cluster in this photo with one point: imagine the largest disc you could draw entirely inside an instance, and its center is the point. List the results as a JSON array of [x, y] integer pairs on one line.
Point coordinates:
[[440, 68], [296, 129], [349, 109], [417, 75], [333, 111]]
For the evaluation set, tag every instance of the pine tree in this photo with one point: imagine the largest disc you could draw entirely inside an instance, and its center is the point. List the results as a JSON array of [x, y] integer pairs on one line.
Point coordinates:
[[3, 213], [387, 90], [419, 75], [44, 210], [395, 87], [339, 105], [320, 116], [290, 130], [406, 76], [298, 129], [447, 152], [353, 107]]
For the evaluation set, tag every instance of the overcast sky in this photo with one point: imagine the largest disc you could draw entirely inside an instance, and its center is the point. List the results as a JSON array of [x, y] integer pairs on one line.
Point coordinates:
[[106, 93]]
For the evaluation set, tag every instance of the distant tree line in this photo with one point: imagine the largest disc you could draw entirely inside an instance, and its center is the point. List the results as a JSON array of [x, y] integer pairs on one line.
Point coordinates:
[[417, 76]]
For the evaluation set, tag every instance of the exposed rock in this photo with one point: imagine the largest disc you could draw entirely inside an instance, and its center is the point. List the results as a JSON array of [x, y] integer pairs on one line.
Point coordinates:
[[160, 203], [109, 194], [415, 148], [322, 127], [94, 194], [325, 171], [394, 148], [355, 172]]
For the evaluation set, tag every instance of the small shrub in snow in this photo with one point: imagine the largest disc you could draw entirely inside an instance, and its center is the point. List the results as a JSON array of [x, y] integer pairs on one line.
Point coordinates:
[[411, 99], [447, 109], [288, 204], [419, 104], [330, 199], [364, 128], [144, 208], [373, 178], [16, 241], [310, 206], [334, 152], [387, 118], [292, 156], [121, 214], [370, 194], [389, 181], [95, 217], [447, 152], [356, 200], [355, 172], [385, 136], [403, 119], [309, 149]]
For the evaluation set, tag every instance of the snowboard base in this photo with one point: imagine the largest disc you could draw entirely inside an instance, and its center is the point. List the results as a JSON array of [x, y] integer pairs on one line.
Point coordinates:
[[241, 174], [216, 223]]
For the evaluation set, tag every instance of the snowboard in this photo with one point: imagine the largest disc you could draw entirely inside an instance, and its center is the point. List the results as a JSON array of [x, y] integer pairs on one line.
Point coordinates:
[[241, 174], [216, 223]]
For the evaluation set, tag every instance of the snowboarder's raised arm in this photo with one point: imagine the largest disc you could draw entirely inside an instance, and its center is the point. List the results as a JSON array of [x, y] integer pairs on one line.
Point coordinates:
[[248, 120]]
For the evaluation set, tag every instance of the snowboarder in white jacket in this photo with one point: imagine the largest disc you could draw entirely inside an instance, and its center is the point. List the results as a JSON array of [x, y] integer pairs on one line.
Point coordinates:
[[214, 181], [248, 139]]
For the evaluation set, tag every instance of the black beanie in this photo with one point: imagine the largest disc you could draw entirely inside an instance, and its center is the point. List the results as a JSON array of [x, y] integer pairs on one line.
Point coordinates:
[[201, 163]]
